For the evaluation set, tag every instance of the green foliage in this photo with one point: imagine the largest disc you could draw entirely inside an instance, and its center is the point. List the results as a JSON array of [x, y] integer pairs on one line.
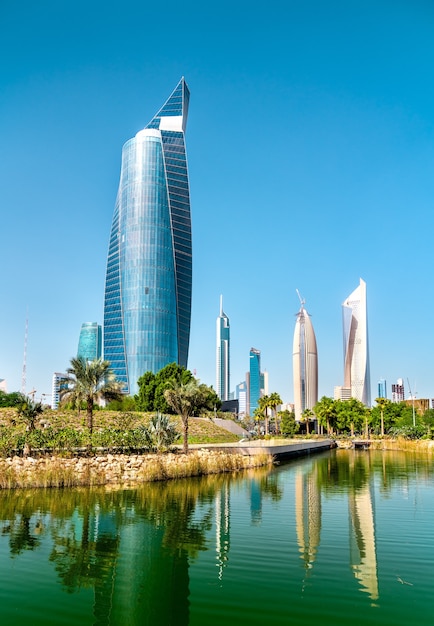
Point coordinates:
[[126, 403], [89, 382], [152, 387], [326, 413], [11, 399], [288, 425], [161, 432], [28, 411]]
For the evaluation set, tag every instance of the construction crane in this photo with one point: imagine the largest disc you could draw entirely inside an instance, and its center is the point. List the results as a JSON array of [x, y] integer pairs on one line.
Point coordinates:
[[302, 300]]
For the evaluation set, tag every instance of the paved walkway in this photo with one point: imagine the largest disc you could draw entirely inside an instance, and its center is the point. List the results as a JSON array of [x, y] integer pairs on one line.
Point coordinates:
[[279, 448]]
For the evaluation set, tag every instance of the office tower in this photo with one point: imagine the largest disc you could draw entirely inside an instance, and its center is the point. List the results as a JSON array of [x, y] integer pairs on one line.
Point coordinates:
[[356, 353], [241, 396], [147, 305], [304, 364], [382, 388], [223, 355], [254, 379], [398, 393], [59, 382], [89, 343], [341, 393]]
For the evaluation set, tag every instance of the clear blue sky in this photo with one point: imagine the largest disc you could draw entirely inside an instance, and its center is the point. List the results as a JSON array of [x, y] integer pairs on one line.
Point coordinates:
[[311, 158]]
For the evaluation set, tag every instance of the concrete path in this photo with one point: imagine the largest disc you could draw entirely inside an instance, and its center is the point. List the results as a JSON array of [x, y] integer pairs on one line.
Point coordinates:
[[279, 448]]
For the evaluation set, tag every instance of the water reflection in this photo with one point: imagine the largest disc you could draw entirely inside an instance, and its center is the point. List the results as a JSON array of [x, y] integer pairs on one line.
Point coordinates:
[[134, 549]]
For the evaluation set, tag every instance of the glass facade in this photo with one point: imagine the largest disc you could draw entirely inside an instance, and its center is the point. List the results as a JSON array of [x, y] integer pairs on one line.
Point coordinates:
[[255, 379], [147, 305], [89, 343]]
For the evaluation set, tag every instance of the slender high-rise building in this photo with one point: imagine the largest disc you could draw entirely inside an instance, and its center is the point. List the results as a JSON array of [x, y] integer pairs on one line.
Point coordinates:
[[147, 306], [304, 364], [223, 354], [89, 343], [356, 352], [254, 379]]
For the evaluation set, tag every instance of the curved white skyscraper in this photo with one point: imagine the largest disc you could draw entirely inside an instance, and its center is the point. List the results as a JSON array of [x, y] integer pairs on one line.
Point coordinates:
[[356, 352], [304, 364], [223, 354]]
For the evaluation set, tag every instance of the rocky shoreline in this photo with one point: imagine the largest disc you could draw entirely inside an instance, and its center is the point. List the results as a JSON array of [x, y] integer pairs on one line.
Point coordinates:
[[53, 471]]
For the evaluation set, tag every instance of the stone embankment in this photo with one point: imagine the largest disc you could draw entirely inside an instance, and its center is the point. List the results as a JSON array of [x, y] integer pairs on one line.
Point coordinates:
[[18, 472]]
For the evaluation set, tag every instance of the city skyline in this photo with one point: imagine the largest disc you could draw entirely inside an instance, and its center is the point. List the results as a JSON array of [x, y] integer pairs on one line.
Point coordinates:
[[338, 186], [147, 307]]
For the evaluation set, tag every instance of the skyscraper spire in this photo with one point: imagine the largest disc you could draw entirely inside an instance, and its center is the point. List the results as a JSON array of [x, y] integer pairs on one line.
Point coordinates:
[[304, 362], [222, 354]]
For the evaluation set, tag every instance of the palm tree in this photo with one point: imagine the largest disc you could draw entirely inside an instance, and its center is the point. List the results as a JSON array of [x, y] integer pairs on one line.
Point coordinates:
[[382, 402], [29, 410], [185, 399], [274, 400], [306, 417], [90, 381], [325, 411], [262, 410]]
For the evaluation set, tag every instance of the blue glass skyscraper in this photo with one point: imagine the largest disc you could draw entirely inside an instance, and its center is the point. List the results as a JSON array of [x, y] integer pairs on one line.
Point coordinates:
[[89, 343], [147, 306], [254, 379]]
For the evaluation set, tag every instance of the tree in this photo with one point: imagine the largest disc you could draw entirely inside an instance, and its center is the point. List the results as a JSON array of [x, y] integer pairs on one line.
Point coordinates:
[[11, 399], [306, 416], [185, 399], [29, 410], [351, 415], [325, 411], [152, 387], [90, 381], [274, 400], [382, 403], [288, 425], [262, 410]]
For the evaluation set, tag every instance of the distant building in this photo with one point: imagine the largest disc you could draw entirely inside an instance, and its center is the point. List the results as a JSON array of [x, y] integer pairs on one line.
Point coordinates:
[[356, 350], [230, 406], [342, 393], [223, 355], [304, 364], [420, 404], [254, 379], [58, 383], [382, 388], [3, 386], [90, 341], [241, 396], [398, 392]]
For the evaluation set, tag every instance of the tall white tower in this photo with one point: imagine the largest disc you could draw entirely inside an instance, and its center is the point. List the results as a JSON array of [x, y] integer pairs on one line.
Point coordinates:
[[304, 363], [356, 352], [222, 355]]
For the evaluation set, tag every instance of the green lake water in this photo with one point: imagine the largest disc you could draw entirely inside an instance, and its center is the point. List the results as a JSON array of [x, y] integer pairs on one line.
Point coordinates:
[[342, 538]]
